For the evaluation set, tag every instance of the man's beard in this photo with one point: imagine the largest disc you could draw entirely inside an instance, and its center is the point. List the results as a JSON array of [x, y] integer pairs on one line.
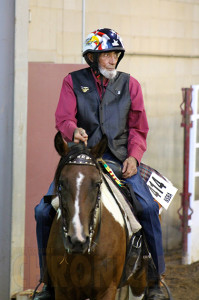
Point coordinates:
[[108, 74]]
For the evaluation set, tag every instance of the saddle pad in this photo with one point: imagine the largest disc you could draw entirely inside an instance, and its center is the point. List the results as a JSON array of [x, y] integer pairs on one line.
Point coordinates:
[[145, 172], [132, 224]]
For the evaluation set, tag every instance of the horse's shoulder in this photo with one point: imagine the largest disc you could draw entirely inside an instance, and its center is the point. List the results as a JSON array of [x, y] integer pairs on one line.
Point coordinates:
[[123, 205], [55, 228]]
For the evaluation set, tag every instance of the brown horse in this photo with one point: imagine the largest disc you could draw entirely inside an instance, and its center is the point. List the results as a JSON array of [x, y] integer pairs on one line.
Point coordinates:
[[87, 246]]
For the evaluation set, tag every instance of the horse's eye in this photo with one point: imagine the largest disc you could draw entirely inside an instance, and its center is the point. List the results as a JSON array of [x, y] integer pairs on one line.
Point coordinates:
[[97, 183], [62, 185], [64, 182], [59, 188]]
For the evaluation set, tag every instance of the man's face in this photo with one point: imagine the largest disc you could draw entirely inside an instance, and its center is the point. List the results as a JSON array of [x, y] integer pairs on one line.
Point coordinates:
[[108, 60], [107, 63]]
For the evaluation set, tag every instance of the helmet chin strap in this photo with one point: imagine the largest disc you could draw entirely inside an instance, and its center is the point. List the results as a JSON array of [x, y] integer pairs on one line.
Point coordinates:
[[102, 85], [93, 63]]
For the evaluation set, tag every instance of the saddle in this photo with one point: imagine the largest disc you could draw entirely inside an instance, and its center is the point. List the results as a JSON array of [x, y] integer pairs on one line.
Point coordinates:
[[125, 188], [145, 172]]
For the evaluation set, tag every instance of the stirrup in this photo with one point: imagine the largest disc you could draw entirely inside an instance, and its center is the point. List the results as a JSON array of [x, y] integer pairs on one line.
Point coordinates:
[[35, 290]]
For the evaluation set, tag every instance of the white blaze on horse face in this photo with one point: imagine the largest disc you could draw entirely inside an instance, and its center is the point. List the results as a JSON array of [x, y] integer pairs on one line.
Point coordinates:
[[76, 219]]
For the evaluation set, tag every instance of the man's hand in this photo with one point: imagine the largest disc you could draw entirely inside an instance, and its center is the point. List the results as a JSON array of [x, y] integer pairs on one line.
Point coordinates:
[[80, 135], [129, 167]]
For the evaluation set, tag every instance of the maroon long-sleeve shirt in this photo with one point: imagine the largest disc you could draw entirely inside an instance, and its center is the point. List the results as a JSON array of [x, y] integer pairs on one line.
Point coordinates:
[[66, 121]]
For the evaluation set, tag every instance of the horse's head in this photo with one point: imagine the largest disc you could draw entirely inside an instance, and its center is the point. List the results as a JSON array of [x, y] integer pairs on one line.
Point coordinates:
[[77, 180]]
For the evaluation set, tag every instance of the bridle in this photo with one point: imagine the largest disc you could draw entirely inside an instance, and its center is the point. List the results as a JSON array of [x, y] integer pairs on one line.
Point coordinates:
[[82, 158]]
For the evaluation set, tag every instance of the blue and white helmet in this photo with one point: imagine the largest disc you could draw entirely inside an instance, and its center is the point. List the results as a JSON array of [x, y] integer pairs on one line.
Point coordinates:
[[103, 40]]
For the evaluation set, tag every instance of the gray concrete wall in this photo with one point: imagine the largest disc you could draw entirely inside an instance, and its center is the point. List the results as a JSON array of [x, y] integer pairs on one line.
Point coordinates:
[[19, 145], [6, 135]]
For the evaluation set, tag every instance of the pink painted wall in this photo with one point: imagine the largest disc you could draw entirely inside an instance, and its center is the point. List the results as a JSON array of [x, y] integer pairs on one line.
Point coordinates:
[[44, 84]]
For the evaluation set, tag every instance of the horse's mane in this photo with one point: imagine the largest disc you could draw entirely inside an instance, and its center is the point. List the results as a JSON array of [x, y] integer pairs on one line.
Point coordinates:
[[75, 150]]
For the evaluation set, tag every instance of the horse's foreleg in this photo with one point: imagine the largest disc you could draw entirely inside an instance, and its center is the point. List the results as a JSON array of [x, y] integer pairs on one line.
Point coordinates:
[[123, 293], [138, 283], [62, 294], [109, 294]]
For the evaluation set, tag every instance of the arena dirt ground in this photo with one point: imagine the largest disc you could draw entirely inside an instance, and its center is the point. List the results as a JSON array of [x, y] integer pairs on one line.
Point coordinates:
[[183, 280]]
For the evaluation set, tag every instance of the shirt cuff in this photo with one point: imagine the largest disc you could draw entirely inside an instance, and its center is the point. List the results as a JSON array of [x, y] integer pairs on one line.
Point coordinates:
[[67, 133], [136, 152]]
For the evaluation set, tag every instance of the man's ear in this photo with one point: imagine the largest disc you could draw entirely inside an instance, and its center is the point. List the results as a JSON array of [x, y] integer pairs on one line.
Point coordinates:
[[90, 56]]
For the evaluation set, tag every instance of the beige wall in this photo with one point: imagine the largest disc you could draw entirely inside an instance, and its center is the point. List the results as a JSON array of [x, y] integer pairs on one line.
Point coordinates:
[[155, 26], [161, 38]]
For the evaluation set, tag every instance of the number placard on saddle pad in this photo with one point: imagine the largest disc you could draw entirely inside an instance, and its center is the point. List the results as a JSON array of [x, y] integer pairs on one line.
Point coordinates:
[[162, 190]]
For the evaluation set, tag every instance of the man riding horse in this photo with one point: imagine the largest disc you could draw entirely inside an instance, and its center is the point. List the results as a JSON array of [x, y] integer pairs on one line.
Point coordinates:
[[98, 101]]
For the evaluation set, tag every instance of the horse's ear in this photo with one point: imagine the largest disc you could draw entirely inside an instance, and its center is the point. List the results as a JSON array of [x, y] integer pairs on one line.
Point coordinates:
[[98, 150], [60, 145]]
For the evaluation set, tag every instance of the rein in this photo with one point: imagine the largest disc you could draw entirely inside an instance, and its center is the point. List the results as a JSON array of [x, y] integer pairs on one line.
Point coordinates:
[[83, 157]]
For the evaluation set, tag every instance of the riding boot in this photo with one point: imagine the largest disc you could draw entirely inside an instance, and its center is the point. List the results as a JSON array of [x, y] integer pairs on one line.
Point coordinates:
[[47, 293], [153, 291]]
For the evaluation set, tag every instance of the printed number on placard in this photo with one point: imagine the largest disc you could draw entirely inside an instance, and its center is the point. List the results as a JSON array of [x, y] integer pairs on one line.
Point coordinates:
[[162, 190], [156, 186]]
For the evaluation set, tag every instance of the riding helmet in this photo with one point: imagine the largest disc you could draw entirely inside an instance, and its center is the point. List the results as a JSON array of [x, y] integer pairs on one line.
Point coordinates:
[[102, 40]]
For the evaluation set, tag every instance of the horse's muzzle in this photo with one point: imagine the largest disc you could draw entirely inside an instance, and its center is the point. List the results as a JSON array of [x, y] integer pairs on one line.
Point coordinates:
[[73, 245]]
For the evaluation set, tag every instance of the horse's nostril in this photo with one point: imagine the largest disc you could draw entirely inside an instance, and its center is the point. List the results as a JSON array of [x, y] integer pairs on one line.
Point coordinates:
[[69, 239]]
